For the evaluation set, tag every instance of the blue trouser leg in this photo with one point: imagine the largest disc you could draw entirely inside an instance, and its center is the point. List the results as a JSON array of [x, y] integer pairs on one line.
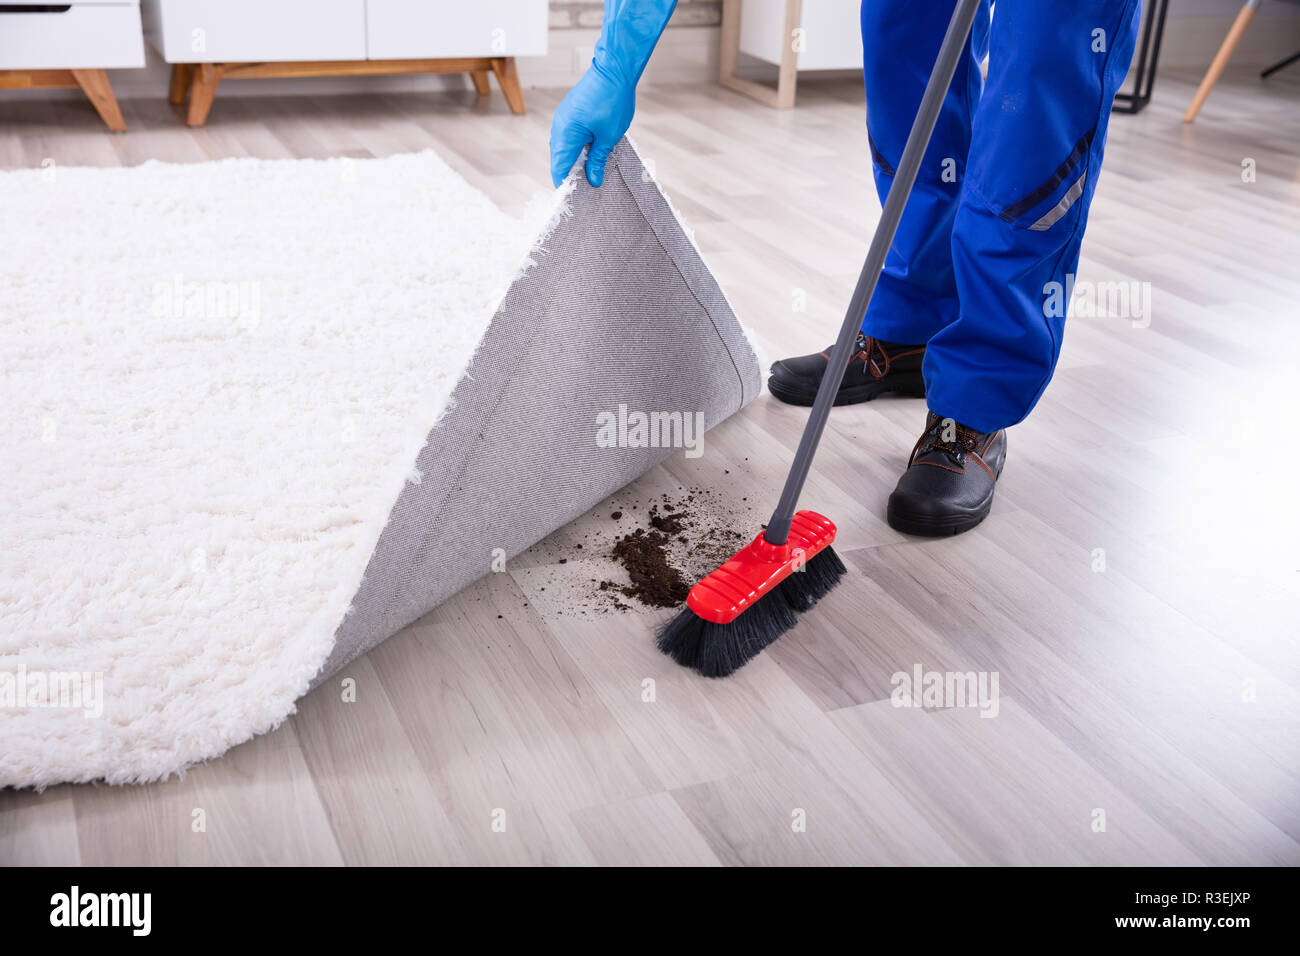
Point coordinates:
[[970, 269], [917, 293], [1036, 149]]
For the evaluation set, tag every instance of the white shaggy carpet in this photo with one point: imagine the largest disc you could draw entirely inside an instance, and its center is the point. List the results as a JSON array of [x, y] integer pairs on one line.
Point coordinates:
[[216, 379]]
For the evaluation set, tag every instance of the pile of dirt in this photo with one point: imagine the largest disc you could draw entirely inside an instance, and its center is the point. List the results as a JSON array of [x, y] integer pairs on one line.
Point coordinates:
[[686, 537], [655, 581], [635, 552]]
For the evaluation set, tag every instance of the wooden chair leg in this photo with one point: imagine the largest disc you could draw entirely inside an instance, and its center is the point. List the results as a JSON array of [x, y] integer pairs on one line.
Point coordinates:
[[1244, 16], [788, 76], [182, 76], [207, 77], [729, 51], [481, 82], [729, 44], [508, 76], [100, 91]]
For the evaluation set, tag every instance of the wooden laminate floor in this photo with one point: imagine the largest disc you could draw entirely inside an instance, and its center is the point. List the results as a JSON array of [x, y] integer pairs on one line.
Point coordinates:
[[1135, 589]]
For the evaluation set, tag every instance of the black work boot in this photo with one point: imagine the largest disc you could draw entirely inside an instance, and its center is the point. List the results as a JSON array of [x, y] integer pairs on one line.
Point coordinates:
[[876, 367], [948, 485]]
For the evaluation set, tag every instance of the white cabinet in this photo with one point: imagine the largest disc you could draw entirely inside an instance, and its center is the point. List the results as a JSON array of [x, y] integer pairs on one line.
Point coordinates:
[[229, 31], [45, 45], [398, 29], [795, 35], [219, 31], [89, 34], [830, 35], [207, 41]]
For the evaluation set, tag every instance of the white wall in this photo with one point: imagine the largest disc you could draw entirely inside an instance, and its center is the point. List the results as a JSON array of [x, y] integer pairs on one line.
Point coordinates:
[[1197, 27]]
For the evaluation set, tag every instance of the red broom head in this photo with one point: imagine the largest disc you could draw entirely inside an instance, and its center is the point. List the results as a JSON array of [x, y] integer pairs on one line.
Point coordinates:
[[758, 568]]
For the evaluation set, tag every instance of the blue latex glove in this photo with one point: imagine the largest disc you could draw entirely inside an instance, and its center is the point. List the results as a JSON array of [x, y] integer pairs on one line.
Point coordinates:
[[598, 110]]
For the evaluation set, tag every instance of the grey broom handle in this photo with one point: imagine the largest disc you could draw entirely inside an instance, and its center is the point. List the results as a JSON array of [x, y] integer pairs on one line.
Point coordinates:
[[927, 114]]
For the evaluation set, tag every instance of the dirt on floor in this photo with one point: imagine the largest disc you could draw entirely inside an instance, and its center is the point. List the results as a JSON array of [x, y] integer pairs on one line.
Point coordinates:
[[680, 539], [644, 555], [638, 552]]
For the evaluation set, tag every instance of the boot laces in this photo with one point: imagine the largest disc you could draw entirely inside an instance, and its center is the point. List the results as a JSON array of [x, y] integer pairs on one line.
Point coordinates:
[[964, 441], [868, 349]]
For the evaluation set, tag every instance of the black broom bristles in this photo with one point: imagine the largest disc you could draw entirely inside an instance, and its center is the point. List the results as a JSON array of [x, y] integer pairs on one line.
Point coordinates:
[[717, 650], [805, 588]]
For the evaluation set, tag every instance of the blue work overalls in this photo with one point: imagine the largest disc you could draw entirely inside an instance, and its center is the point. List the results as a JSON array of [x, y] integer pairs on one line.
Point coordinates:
[[1001, 201]]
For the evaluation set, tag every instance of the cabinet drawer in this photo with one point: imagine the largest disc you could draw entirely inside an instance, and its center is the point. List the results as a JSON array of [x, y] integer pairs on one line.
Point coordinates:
[[80, 3], [257, 31], [85, 36], [415, 29]]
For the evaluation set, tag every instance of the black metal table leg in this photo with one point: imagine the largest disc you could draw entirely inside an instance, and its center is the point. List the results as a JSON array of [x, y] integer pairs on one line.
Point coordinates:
[[1280, 65], [1144, 79]]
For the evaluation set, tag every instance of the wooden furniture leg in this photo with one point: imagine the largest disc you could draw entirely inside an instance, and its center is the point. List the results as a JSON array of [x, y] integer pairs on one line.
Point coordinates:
[[729, 42], [207, 77], [508, 76], [96, 86], [202, 79], [182, 76], [1244, 16], [787, 78]]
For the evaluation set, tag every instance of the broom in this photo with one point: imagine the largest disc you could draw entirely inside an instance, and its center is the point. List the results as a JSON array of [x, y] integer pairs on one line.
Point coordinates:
[[749, 602]]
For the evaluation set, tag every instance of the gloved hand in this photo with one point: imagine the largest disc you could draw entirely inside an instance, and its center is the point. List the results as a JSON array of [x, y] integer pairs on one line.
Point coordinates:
[[598, 110]]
